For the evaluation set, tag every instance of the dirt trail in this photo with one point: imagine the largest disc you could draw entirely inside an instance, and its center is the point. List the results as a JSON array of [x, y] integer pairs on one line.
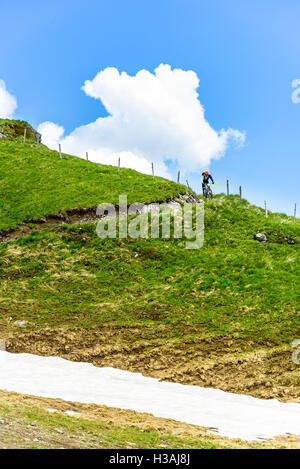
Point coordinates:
[[224, 363]]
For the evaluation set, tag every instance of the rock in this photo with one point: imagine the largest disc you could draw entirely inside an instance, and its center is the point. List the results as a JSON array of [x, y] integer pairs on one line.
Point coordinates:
[[261, 237], [172, 206], [2, 345], [152, 208], [189, 199], [21, 323], [137, 208], [13, 129]]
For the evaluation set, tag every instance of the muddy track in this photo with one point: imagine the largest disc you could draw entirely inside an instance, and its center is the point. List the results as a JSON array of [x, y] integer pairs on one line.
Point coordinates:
[[232, 365]]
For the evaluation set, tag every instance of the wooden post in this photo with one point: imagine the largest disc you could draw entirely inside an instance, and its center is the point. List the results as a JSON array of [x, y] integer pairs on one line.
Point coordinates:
[[87, 156], [295, 211], [240, 192], [25, 135], [119, 163], [178, 177], [59, 147], [152, 169], [227, 187], [266, 209]]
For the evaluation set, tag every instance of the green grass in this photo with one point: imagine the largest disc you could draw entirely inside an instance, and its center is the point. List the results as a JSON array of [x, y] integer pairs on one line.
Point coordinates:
[[83, 433], [35, 182], [232, 286], [67, 277], [147, 293]]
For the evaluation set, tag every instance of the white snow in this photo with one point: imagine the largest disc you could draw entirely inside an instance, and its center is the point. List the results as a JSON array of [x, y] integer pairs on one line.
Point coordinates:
[[233, 415], [71, 412]]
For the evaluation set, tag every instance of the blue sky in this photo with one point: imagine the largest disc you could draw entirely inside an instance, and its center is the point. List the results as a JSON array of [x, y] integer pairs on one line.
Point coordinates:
[[245, 53]]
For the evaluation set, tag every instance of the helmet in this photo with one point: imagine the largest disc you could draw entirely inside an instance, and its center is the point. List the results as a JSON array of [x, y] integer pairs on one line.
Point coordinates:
[[206, 173]]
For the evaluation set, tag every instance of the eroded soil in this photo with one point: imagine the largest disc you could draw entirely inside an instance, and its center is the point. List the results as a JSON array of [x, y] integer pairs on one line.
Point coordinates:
[[71, 217], [225, 363]]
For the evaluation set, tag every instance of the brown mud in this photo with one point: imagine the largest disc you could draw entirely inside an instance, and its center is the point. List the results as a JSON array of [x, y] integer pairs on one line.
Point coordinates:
[[226, 363]]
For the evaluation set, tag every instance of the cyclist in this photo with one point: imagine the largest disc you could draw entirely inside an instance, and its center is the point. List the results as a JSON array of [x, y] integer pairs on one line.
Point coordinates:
[[205, 179]]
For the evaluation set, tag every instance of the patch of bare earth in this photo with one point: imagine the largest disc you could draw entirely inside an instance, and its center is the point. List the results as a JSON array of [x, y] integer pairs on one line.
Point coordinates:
[[224, 362], [71, 217]]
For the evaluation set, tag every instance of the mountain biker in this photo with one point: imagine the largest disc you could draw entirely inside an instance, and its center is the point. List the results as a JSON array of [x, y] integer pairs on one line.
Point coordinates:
[[206, 177]]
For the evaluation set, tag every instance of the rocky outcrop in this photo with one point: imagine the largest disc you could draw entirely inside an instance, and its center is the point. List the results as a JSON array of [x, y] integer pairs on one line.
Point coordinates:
[[189, 198], [14, 130], [261, 237]]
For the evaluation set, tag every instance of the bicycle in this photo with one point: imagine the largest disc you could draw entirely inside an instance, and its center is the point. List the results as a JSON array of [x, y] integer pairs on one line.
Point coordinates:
[[207, 192]]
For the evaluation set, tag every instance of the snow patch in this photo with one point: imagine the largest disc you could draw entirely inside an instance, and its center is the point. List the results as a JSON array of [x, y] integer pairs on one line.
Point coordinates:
[[231, 415]]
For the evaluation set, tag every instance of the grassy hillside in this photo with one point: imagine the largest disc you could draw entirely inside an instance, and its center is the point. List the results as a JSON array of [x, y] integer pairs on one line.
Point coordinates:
[[35, 182], [152, 305], [233, 285], [222, 316]]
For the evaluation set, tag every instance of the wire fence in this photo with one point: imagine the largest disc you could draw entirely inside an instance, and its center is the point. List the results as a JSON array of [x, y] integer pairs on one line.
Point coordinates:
[[227, 183]]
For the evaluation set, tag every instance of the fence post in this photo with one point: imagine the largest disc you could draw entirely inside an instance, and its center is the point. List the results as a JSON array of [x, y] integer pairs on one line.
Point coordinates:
[[295, 211], [119, 163], [187, 183], [59, 147], [25, 135], [152, 169], [178, 177], [266, 209], [227, 187], [87, 156], [240, 192]]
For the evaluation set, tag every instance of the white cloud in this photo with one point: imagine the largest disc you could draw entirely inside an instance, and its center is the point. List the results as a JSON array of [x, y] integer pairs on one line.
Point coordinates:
[[8, 102], [153, 117], [51, 134]]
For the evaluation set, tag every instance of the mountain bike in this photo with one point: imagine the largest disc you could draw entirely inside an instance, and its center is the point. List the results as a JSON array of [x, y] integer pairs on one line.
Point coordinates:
[[207, 192]]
